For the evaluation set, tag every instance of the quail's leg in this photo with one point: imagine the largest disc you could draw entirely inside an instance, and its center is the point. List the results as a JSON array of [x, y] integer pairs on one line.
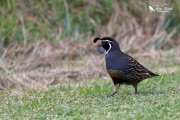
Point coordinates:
[[135, 87], [116, 89]]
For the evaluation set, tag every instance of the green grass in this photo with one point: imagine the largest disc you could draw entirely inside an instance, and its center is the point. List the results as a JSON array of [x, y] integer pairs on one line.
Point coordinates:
[[28, 21], [157, 98]]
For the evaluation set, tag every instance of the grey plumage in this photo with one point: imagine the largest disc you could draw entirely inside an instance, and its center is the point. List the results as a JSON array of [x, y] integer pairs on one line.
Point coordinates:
[[122, 68]]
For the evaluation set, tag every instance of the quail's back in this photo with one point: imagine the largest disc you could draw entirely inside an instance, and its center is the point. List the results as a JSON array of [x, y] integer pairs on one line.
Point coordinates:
[[122, 68]]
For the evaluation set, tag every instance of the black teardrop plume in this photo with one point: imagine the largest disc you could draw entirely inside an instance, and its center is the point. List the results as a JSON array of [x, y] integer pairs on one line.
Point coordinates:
[[96, 39]]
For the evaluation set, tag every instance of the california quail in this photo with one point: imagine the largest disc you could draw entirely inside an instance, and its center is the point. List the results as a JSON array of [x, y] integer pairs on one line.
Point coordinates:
[[122, 68]]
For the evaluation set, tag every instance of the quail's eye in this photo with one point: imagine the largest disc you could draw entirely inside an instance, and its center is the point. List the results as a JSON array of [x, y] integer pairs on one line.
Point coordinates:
[[106, 45]]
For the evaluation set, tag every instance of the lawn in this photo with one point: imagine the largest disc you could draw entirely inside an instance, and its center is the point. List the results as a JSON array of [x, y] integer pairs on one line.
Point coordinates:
[[157, 98]]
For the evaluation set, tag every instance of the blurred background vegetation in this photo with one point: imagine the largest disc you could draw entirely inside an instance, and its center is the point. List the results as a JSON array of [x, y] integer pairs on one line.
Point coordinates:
[[48, 33]]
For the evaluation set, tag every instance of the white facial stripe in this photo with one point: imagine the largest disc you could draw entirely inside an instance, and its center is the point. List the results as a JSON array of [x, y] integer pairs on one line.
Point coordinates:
[[109, 47], [107, 40]]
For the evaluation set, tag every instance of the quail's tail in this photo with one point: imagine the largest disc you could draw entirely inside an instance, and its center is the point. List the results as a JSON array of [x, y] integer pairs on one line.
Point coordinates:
[[152, 74]]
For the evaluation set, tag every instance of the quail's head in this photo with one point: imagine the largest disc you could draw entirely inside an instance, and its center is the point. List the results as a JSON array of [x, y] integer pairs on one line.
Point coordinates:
[[108, 43]]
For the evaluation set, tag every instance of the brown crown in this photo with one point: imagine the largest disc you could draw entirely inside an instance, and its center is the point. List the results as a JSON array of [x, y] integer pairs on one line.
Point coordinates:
[[104, 38]]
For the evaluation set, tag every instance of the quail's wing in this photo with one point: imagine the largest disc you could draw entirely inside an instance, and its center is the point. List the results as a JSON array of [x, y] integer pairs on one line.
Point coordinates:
[[136, 71]]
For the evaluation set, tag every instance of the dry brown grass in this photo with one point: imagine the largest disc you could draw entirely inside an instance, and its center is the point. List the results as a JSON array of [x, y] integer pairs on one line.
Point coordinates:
[[43, 64], [137, 35]]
